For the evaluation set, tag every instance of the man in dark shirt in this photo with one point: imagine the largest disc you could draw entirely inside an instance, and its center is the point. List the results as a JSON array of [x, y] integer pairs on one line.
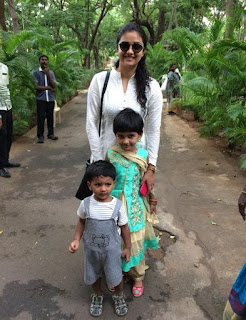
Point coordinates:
[[45, 96]]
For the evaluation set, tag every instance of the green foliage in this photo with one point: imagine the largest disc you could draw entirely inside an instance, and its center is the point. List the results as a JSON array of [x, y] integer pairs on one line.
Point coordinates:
[[214, 78], [20, 53]]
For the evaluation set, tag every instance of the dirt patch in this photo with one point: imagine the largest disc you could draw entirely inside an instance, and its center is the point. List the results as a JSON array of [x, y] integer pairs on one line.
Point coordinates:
[[220, 142], [165, 240]]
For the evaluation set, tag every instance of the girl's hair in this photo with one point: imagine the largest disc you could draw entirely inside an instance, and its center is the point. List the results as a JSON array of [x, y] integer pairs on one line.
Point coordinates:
[[128, 120], [100, 168], [142, 75]]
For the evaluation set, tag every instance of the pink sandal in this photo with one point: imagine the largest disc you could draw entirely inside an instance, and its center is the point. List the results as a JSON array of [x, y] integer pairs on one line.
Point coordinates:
[[137, 291]]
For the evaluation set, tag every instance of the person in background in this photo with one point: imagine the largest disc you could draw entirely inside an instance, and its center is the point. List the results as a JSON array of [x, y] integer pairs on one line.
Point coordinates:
[[129, 86], [45, 97], [6, 124], [172, 92]]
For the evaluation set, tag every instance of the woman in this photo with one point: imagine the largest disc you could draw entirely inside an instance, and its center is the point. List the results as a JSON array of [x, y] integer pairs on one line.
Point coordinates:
[[173, 79], [129, 86]]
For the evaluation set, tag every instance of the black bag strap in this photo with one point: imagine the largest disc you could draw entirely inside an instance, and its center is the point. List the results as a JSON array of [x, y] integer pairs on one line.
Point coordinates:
[[101, 107]]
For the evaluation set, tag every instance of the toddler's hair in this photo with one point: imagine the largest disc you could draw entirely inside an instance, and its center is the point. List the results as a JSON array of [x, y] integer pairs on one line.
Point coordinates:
[[128, 120], [100, 168]]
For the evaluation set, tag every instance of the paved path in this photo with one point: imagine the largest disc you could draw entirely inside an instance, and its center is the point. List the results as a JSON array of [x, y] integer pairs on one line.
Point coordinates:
[[189, 279]]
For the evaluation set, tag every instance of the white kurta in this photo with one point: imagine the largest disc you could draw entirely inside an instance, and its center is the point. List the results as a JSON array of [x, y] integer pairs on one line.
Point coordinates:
[[115, 100]]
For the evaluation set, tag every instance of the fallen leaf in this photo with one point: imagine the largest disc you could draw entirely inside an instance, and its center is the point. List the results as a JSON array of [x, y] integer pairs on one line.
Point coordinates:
[[1, 232], [172, 237], [34, 245], [213, 223], [160, 233], [219, 199]]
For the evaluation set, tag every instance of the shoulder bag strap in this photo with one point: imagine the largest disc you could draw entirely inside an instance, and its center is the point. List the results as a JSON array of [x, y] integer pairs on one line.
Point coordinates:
[[101, 107]]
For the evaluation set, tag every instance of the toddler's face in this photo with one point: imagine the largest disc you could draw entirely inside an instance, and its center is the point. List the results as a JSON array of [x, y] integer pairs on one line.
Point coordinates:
[[102, 187], [127, 140]]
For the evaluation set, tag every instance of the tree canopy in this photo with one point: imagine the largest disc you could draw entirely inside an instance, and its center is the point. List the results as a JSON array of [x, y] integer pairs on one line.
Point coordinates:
[[205, 38]]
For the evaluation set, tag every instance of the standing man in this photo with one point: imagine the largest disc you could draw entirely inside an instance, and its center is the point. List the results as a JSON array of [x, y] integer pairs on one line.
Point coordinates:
[[6, 123], [45, 96]]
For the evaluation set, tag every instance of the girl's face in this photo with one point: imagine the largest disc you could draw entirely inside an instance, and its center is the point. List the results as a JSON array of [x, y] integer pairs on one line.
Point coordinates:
[[130, 58], [127, 140]]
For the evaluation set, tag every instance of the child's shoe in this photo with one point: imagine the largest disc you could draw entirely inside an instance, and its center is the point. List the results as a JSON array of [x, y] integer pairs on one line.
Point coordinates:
[[138, 291], [96, 305], [120, 305]]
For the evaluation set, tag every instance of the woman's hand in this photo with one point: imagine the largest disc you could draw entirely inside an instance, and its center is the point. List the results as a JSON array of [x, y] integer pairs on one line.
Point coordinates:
[[152, 208], [152, 203], [149, 177]]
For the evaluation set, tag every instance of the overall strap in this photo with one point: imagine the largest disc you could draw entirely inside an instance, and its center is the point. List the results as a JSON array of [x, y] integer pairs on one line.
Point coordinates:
[[116, 209], [87, 204]]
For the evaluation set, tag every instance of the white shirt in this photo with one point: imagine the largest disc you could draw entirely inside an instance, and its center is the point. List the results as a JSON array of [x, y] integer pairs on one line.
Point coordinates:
[[5, 102], [115, 100], [103, 211]]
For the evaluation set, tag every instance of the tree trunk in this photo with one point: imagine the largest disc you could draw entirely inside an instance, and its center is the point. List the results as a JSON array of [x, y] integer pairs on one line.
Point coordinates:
[[161, 24], [87, 60], [104, 11], [173, 16], [175, 13], [244, 23], [2, 16], [143, 22], [229, 19], [96, 57], [87, 23], [244, 29], [13, 15]]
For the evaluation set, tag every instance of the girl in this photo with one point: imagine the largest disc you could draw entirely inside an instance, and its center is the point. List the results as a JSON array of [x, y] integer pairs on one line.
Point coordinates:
[[131, 164]]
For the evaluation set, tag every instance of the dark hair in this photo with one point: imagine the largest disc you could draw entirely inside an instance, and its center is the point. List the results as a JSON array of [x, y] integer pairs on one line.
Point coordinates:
[[173, 64], [43, 55], [100, 168], [128, 120], [142, 75]]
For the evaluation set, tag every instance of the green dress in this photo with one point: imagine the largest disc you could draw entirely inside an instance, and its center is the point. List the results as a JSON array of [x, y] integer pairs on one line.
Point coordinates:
[[128, 177]]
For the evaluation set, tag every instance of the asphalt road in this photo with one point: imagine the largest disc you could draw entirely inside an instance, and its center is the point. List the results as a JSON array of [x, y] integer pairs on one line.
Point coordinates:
[[202, 237]]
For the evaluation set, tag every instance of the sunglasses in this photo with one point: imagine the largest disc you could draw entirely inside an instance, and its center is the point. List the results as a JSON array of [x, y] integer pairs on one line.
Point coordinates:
[[125, 46]]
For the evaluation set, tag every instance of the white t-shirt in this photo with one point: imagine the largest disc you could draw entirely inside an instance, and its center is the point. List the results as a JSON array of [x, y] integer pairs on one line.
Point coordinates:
[[103, 211], [115, 100], [5, 102]]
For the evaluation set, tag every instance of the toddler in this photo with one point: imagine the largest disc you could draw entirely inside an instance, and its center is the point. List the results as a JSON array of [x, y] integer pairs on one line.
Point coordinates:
[[102, 218]]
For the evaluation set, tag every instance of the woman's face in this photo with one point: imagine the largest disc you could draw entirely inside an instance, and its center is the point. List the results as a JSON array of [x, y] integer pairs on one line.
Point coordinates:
[[130, 58]]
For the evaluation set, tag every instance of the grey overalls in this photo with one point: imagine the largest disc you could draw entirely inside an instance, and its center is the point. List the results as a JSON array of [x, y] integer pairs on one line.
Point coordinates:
[[102, 248]]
